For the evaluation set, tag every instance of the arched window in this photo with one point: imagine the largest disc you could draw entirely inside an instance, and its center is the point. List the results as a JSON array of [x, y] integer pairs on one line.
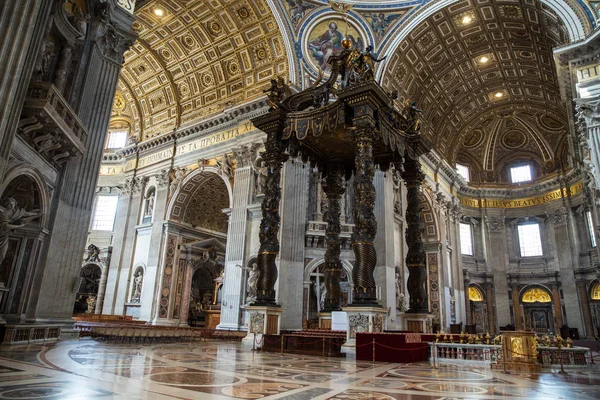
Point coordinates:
[[595, 292]]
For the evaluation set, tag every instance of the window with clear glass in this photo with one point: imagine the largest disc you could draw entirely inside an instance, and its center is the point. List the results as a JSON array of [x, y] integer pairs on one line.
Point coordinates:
[[116, 139], [520, 174], [466, 239], [104, 213], [530, 241], [590, 226], [463, 171]]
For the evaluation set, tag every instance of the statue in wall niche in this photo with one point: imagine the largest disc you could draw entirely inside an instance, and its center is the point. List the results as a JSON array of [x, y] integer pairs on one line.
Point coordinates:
[[91, 303], [93, 253], [400, 298], [13, 217], [150, 204], [261, 178], [251, 282], [137, 287], [397, 199]]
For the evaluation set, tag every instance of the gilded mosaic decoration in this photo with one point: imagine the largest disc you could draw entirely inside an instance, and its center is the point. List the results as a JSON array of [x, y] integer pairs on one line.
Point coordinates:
[[536, 295]]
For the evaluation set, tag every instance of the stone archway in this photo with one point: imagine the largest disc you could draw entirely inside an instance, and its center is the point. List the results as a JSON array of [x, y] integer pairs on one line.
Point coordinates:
[[314, 274], [88, 288], [538, 313], [23, 204], [478, 307], [200, 202]]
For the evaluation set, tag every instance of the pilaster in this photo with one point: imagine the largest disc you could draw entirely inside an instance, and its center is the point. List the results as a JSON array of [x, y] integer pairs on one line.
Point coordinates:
[[293, 227], [233, 286]]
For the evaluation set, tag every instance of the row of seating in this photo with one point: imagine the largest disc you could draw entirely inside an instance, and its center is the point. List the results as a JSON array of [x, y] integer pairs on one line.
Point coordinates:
[[105, 317]]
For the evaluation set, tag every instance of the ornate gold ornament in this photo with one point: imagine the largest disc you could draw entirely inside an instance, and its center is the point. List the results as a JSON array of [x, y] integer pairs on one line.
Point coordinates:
[[536, 295], [475, 294]]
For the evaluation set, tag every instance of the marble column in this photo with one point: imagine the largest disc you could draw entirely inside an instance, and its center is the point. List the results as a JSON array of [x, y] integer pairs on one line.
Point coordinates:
[[496, 256], [565, 231], [489, 298], [272, 125], [294, 204], [109, 38], [364, 290], [467, 281], [233, 286], [152, 275], [23, 25], [334, 189], [585, 308], [516, 307], [413, 177], [557, 305]]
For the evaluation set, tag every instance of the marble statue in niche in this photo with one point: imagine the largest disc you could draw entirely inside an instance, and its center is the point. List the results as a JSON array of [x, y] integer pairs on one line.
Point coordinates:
[[149, 208], [137, 286], [320, 294], [251, 282], [397, 196], [261, 178], [13, 217], [93, 253]]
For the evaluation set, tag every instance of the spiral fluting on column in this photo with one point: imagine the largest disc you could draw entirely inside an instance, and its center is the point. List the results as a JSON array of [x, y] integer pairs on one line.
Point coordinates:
[[362, 274]]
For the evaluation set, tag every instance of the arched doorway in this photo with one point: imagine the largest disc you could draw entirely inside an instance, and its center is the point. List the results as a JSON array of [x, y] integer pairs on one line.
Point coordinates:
[[537, 309], [22, 210], [595, 305], [479, 313], [198, 226], [314, 295], [88, 289]]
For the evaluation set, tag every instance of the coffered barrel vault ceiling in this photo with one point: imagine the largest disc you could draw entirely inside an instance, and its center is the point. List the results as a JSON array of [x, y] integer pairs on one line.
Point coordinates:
[[484, 74], [196, 59], [202, 56]]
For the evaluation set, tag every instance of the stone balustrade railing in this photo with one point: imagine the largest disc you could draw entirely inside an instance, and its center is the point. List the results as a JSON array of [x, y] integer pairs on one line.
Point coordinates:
[[478, 354], [315, 234], [567, 356]]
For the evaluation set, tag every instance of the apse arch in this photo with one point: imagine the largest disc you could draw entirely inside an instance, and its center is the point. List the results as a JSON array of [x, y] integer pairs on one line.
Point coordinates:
[[314, 263], [574, 26], [200, 199]]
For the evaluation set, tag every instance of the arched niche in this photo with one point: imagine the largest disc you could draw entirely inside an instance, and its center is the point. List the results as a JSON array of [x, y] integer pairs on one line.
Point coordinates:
[[25, 201], [89, 281], [200, 201], [314, 274], [595, 304], [538, 312], [478, 307], [149, 203], [137, 283]]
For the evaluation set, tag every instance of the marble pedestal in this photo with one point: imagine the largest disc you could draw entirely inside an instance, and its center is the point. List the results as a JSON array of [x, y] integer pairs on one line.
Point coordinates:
[[324, 320], [417, 323], [262, 320], [362, 319]]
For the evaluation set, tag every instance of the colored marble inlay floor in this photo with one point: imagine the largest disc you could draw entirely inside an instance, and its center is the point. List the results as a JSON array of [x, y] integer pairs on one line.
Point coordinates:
[[87, 369]]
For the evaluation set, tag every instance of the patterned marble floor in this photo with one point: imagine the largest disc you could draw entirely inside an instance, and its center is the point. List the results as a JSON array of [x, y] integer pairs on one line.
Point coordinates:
[[87, 369]]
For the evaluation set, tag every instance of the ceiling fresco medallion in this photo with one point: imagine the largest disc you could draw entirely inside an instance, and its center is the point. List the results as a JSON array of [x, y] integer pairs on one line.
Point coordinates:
[[514, 139], [324, 39]]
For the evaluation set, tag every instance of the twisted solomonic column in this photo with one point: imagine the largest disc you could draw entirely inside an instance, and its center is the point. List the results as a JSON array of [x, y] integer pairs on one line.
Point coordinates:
[[269, 226], [413, 177], [365, 228], [334, 189]]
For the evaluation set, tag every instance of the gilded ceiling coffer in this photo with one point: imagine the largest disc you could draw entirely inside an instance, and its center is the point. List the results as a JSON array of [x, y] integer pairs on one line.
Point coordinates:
[[343, 129], [334, 189]]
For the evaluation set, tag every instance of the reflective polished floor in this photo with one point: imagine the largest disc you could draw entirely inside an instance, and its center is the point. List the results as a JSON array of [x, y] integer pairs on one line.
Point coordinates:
[[87, 369]]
